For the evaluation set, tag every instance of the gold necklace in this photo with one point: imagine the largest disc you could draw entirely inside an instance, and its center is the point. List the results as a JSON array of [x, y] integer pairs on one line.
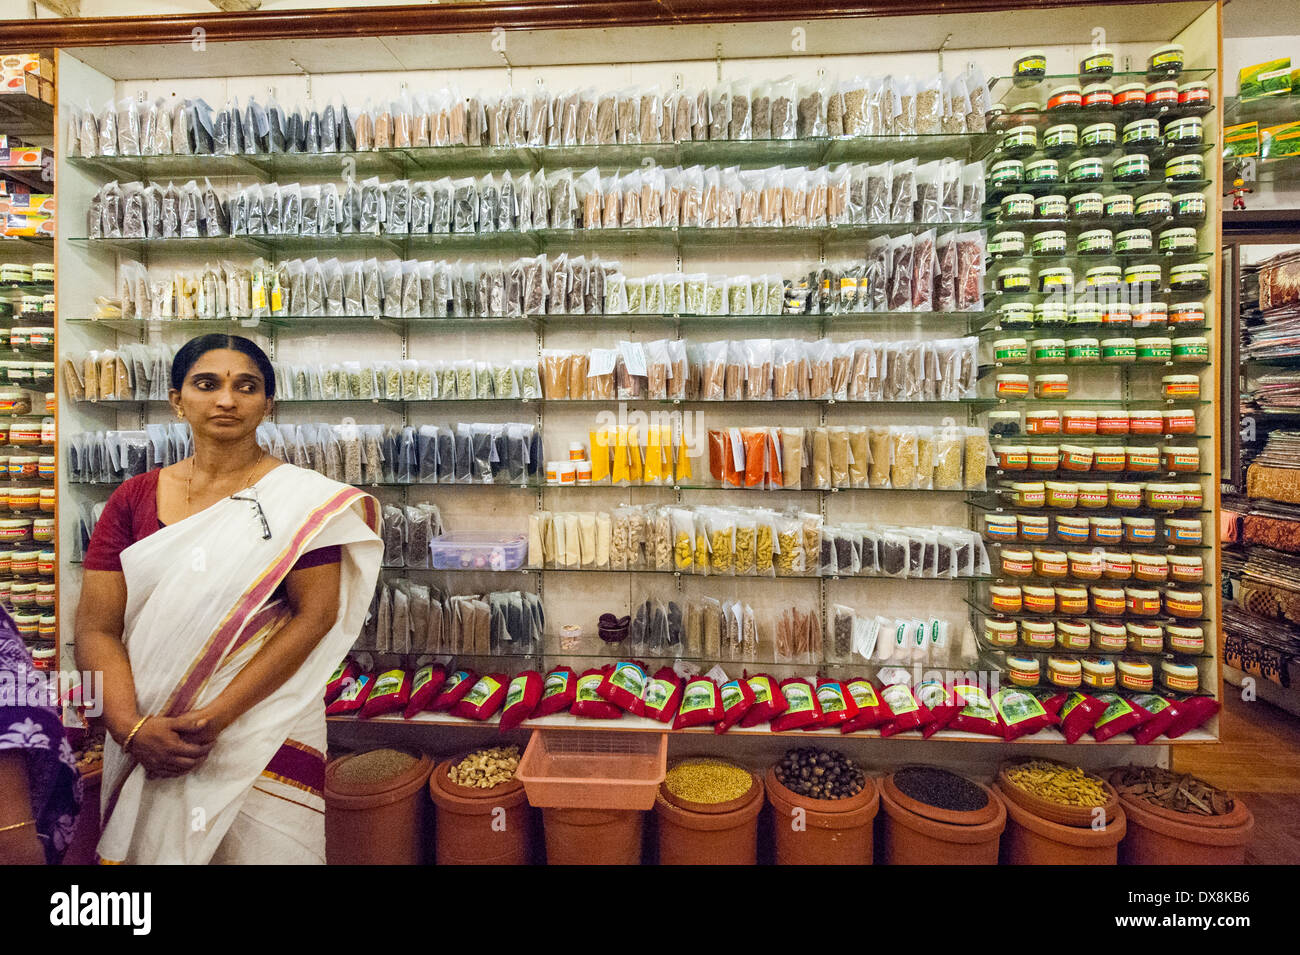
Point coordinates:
[[247, 477]]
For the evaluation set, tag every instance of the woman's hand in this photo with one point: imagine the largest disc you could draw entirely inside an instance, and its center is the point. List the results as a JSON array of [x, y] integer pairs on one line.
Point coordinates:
[[206, 724], [163, 751]]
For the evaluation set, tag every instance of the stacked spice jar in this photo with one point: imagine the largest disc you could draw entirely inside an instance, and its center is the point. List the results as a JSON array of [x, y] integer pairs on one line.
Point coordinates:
[[27, 503]]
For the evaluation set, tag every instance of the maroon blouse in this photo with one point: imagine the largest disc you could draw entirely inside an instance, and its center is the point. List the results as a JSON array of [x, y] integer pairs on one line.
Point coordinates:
[[131, 515]]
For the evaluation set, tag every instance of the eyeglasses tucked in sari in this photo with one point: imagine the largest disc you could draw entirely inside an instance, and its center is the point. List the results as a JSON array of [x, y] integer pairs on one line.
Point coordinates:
[[257, 509]]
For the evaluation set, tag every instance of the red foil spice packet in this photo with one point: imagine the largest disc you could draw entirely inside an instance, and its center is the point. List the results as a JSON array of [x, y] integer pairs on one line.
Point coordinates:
[[522, 697], [801, 706], [623, 686], [587, 700], [353, 696], [1191, 713], [428, 681], [1120, 716], [737, 698], [457, 684], [663, 694], [392, 691], [837, 704], [872, 711], [975, 712], [483, 699], [701, 704], [347, 672], [1162, 714], [906, 712], [769, 701], [942, 703], [1078, 713], [1020, 712], [558, 692]]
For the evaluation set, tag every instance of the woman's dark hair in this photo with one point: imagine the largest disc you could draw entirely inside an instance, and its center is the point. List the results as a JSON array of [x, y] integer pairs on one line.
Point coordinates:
[[196, 348]]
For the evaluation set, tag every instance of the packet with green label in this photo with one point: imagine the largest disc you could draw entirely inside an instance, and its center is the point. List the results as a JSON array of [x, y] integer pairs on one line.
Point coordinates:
[[1270, 78]]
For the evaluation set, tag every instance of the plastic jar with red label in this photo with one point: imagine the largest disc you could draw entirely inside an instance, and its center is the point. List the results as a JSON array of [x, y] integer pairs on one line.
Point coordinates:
[[1132, 97], [1184, 639], [1086, 565], [1113, 422], [1051, 563], [1142, 601], [1118, 565], [1164, 497], [1181, 386], [1038, 634], [1028, 494], [1039, 599], [1162, 96], [1001, 633], [1194, 98], [1107, 636], [1186, 569], [1109, 458], [1051, 386], [1075, 457], [1193, 496], [1067, 97], [1013, 386], [45, 563], [1006, 599], [1079, 422], [24, 563], [1017, 563], [46, 595], [43, 529], [1073, 634], [1094, 494], [1183, 532], [1022, 671], [1043, 422], [1044, 457], [1105, 530], [1146, 422], [1063, 672], [1184, 603], [1098, 673], [25, 433], [1107, 601], [1151, 568], [1187, 315], [1033, 528], [1098, 96], [1062, 494], [15, 530], [1180, 677], [1070, 529], [1124, 494], [1135, 675], [1179, 421]]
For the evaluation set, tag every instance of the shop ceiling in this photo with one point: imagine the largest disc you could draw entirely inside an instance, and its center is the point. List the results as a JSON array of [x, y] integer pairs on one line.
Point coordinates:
[[1039, 25]]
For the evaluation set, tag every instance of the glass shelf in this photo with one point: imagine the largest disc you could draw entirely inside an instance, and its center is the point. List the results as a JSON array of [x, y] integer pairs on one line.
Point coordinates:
[[400, 161], [22, 114], [1096, 328], [43, 241], [29, 288], [1074, 226], [1002, 86], [1080, 477], [1071, 367], [1107, 187], [986, 505], [1267, 111], [1060, 651], [1109, 618]]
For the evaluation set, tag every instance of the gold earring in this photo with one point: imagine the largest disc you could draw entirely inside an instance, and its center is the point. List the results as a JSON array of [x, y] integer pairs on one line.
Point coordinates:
[[180, 415]]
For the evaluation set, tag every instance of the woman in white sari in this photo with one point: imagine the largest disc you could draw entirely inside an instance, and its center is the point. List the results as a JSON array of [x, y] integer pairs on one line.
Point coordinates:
[[219, 595]]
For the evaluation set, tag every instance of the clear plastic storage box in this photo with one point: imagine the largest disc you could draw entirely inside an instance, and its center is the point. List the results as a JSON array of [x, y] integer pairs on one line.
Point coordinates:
[[478, 550]]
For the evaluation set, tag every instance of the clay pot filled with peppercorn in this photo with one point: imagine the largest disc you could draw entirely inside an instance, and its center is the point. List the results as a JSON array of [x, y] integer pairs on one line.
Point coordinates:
[[707, 810], [823, 809], [934, 817]]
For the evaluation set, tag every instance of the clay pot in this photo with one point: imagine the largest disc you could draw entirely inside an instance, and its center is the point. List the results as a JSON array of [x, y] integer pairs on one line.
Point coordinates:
[[1059, 813], [1032, 840], [480, 826], [914, 833], [1158, 836], [593, 836], [85, 837], [377, 823], [835, 831], [693, 833]]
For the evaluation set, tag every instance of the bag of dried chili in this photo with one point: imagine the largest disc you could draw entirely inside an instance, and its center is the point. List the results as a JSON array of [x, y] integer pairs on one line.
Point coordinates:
[[522, 697]]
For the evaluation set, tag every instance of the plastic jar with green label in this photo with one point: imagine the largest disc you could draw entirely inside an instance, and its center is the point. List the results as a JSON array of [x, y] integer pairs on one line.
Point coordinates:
[[1042, 171], [1178, 241], [1017, 142], [1133, 242], [1036, 635], [1187, 315], [1150, 315], [1154, 351], [1083, 350], [1142, 281], [1087, 169], [1154, 207], [1013, 279], [1192, 277], [1180, 460], [1007, 243], [1107, 637], [1061, 139], [1049, 242], [1181, 168], [1011, 351], [1118, 207], [1189, 207], [1016, 315], [1098, 97], [1134, 167], [1007, 173], [1141, 134], [1044, 457], [1001, 633], [1184, 131], [1048, 314], [1117, 350], [1131, 97], [1095, 242], [1166, 60], [1110, 457], [1018, 205], [1162, 97], [1145, 638], [1066, 97], [1030, 67], [1104, 278], [1052, 207], [1098, 139], [1048, 351], [1193, 348], [1012, 457], [1056, 279], [1086, 205]]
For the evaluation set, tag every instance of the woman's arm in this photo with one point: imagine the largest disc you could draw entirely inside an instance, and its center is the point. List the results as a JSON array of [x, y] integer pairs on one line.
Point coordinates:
[[313, 595], [99, 648], [19, 846]]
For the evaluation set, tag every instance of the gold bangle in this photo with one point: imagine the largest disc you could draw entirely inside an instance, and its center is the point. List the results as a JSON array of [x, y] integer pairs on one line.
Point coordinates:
[[18, 825], [126, 746]]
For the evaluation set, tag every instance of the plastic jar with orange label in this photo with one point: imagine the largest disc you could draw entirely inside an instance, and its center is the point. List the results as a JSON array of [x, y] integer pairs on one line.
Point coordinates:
[[1038, 634], [1039, 599], [1006, 599], [1012, 457], [24, 498], [1108, 637], [1151, 568], [1043, 422], [1183, 315], [1180, 421], [1098, 673], [1186, 569], [1125, 495], [1062, 494], [1000, 527], [1139, 530], [1001, 633], [1107, 601], [1184, 603], [1142, 601], [49, 499], [1105, 530], [1145, 422], [1017, 563], [1051, 563], [1044, 457], [1135, 675], [1071, 530], [1181, 677], [1181, 386], [1118, 565], [15, 530], [1012, 386], [1145, 637], [1028, 494], [1184, 532], [1073, 635], [1051, 386], [1112, 458], [1184, 639], [1086, 565], [25, 433], [1072, 600], [1112, 422], [1076, 457], [1033, 528], [1093, 494], [1079, 422]]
